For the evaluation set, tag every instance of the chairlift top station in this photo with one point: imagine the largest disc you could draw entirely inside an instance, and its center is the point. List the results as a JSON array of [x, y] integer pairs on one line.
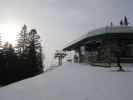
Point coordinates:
[[105, 33], [90, 45]]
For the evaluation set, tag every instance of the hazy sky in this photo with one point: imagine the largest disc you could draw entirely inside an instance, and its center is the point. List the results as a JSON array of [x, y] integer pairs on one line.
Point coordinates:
[[60, 21]]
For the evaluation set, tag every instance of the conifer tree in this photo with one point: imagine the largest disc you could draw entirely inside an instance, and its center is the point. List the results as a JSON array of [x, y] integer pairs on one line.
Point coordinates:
[[121, 22], [35, 50], [0, 42], [22, 40], [125, 21]]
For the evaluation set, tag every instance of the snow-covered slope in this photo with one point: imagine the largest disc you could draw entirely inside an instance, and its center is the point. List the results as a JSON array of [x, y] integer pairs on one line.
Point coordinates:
[[73, 82]]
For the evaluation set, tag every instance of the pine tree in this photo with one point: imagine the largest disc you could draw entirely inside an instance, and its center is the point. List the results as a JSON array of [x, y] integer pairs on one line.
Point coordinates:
[[10, 63], [125, 21], [0, 42], [34, 41], [22, 40], [35, 50], [121, 22]]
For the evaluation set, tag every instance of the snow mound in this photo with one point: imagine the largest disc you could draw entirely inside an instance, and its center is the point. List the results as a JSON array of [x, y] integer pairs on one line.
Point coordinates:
[[73, 82]]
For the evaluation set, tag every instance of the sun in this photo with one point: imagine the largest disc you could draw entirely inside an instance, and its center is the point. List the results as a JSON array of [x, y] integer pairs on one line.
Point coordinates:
[[9, 32]]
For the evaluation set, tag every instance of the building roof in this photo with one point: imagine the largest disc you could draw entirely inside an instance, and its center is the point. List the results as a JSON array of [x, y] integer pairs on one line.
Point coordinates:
[[100, 31]]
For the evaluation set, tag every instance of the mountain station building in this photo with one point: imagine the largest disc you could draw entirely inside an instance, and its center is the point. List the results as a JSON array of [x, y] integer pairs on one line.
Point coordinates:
[[101, 45]]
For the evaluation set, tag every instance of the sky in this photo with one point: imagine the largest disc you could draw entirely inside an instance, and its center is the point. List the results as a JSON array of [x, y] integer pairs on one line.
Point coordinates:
[[60, 21]]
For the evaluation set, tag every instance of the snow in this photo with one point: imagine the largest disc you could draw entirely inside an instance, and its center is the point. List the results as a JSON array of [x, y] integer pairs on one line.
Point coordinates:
[[74, 82]]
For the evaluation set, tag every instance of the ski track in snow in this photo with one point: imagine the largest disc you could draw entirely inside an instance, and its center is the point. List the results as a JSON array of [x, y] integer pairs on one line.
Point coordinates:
[[74, 82]]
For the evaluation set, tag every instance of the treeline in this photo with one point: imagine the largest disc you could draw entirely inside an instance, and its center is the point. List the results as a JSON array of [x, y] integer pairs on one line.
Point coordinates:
[[24, 60]]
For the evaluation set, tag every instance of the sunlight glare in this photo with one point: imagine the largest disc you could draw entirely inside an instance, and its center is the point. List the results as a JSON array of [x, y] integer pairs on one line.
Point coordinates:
[[9, 32]]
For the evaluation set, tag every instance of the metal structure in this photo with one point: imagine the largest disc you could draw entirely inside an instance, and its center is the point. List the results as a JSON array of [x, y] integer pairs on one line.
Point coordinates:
[[60, 55]]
